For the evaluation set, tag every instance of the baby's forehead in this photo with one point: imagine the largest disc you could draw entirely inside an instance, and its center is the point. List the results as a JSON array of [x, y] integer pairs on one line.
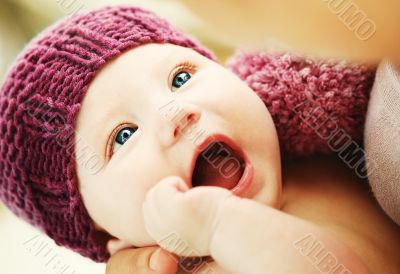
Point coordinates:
[[136, 65], [156, 54]]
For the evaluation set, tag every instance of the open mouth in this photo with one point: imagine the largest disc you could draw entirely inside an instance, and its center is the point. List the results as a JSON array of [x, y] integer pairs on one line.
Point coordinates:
[[218, 165]]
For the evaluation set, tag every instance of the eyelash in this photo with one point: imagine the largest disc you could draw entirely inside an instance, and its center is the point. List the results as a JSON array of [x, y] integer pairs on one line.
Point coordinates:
[[110, 142], [190, 67]]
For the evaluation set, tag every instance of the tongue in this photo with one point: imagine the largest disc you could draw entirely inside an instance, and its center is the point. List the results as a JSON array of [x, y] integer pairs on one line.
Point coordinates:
[[216, 173]]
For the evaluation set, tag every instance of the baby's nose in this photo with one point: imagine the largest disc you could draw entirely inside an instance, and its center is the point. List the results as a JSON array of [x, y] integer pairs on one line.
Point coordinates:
[[177, 119]]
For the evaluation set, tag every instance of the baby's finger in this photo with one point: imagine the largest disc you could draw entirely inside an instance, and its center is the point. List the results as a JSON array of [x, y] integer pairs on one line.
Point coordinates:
[[175, 216], [161, 208], [172, 185], [162, 201]]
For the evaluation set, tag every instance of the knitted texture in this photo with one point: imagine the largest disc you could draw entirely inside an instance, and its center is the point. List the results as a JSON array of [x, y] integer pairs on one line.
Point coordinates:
[[313, 103], [39, 103]]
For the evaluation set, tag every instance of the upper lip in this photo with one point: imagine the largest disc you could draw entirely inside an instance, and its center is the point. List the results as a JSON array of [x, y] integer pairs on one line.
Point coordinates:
[[207, 141]]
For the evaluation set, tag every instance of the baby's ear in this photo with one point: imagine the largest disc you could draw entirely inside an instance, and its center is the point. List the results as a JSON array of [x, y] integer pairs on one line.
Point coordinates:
[[114, 245]]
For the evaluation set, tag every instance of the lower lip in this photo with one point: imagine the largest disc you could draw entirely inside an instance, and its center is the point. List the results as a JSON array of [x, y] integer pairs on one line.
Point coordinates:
[[245, 182]]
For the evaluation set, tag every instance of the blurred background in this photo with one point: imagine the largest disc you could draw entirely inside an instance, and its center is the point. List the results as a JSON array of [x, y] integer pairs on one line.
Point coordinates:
[[23, 248]]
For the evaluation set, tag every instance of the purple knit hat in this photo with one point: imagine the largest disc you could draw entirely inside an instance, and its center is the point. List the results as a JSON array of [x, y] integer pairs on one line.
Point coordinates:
[[39, 104]]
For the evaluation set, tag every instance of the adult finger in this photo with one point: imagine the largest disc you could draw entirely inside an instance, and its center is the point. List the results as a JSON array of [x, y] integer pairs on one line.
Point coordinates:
[[144, 260]]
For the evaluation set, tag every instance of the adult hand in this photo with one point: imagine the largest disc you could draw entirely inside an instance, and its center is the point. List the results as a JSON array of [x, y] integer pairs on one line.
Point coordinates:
[[143, 260]]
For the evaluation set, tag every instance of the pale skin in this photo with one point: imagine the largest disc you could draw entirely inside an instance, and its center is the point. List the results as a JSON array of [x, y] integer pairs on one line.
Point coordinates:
[[140, 207]]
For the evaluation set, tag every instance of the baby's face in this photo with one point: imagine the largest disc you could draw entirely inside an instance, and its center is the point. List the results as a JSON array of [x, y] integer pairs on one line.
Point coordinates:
[[132, 117]]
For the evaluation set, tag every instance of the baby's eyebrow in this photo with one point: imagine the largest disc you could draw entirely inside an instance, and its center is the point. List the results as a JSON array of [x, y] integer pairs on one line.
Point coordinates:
[[103, 123], [102, 119], [165, 60]]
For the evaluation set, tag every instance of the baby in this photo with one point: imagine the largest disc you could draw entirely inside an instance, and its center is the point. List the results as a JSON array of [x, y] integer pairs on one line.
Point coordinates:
[[111, 120]]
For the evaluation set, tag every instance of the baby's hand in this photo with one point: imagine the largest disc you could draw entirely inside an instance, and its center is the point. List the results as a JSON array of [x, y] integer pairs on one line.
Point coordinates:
[[183, 220]]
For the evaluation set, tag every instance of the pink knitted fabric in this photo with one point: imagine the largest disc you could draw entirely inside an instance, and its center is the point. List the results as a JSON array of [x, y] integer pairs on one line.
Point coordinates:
[[39, 104], [309, 100]]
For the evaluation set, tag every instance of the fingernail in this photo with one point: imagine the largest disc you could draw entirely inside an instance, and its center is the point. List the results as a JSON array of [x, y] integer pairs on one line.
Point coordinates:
[[154, 260]]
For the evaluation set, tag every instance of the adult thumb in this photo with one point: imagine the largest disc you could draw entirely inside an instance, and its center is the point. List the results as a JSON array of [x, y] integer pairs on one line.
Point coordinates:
[[142, 260]]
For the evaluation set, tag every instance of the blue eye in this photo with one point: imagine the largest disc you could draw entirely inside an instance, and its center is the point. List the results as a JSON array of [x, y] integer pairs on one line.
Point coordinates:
[[124, 134], [182, 73], [120, 138], [180, 79]]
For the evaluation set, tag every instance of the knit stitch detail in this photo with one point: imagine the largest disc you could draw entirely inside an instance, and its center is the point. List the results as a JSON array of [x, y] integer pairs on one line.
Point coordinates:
[[39, 104]]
